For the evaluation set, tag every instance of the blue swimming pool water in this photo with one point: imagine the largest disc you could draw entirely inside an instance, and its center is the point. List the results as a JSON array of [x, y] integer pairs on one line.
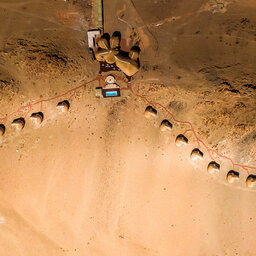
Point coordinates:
[[108, 94]]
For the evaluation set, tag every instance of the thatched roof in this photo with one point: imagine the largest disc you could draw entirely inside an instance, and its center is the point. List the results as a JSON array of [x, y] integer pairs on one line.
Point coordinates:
[[114, 42], [103, 43], [127, 65], [134, 54], [106, 52], [109, 51]]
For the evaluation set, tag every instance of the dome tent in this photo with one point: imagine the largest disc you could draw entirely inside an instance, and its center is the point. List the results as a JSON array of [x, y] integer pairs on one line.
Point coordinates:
[[232, 176], [2, 129], [37, 118], [196, 154], [213, 167], [181, 140], [251, 181], [18, 123], [63, 106], [165, 126], [150, 112]]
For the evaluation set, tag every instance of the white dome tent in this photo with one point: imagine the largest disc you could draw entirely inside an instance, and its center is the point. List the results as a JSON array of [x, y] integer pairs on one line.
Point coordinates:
[[63, 106], [181, 140], [18, 123], [232, 176], [37, 118], [196, 154], [150, 112]]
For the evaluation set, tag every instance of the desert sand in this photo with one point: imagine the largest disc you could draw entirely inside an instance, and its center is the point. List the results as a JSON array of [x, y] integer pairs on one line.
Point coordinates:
[[101, 179]]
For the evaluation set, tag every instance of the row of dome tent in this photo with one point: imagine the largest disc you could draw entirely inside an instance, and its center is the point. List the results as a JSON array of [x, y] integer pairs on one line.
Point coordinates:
[[19, 123], [196, 154], [165, 126]]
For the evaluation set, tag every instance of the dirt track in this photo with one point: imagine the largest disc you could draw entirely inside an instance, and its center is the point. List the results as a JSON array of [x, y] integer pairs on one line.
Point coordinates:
[[101, 179]]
